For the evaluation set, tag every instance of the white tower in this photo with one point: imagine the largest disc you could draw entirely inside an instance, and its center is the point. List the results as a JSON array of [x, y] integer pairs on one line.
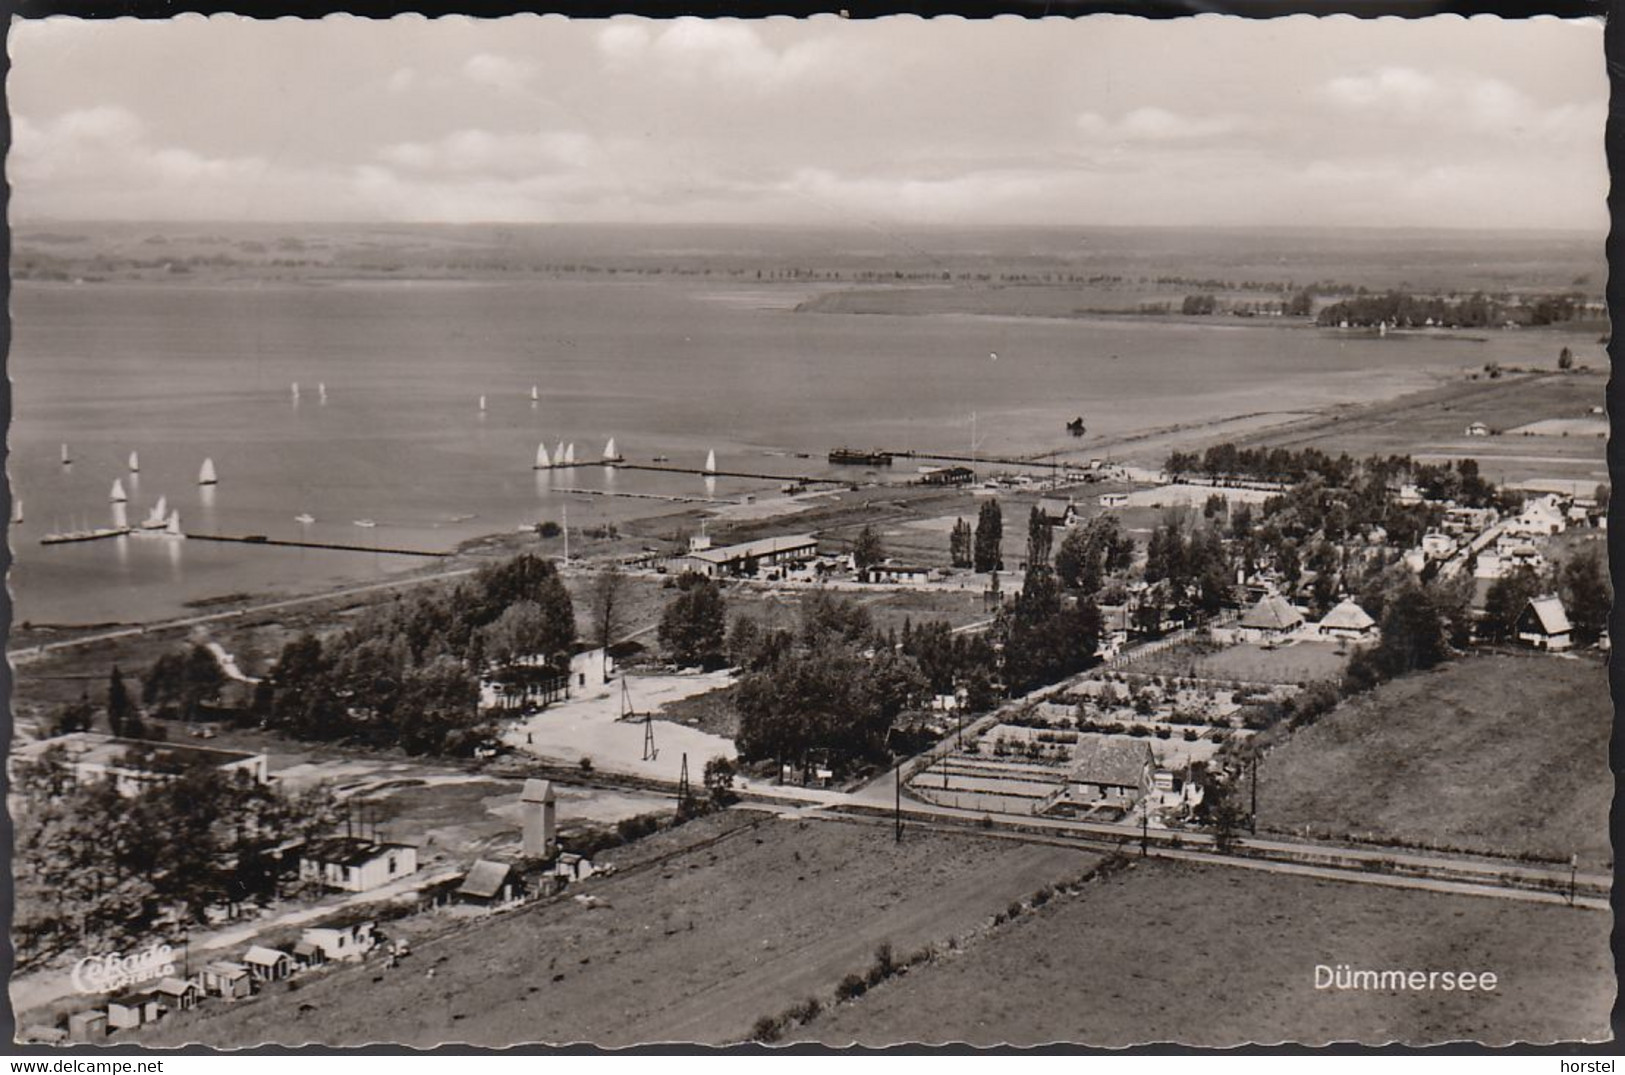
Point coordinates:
[[537, 809]]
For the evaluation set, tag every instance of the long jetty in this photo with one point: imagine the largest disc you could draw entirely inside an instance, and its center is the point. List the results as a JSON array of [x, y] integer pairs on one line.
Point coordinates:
[[256, 539], [802, 479], [1043, 464]]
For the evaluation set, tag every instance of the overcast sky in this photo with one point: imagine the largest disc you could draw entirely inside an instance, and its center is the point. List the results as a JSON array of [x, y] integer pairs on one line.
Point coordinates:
[[1094, 121]]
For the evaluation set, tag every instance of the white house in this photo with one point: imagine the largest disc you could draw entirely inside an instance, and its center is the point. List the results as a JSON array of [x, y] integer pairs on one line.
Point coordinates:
[[354, 863], [135, 764], [1113, 500], [1437, 545], [746, 558], [341, 942], [1058, 512], [898, 574], [1539, 518], [267, 964], [1478, 429]]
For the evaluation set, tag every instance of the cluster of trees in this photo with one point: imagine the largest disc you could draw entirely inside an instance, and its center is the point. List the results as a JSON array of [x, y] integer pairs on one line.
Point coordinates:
[[1090, 553], [1198, 305], [95, 867], [182, 683], [961, 545], [1194, 565], [826, 692], [406, 672], [1477, 310]]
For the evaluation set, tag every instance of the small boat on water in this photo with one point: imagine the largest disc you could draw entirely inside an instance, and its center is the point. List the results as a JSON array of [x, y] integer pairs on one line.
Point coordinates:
[[367, 524], [304, 519], [558, 455], [711, 461], [482, 403], [535, 396], [661, 459], [321, 391], [135, 463], [296, 391], [17, 511], [158, 516], [206, 474], [66, 457], [173, 527], [570, 454], [117, 494], [610, 454], [542, 460]]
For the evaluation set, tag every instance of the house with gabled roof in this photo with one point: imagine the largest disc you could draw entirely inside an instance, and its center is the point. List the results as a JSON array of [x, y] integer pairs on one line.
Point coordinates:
[[267, 964], [1544, 624], [1059, 512], [489, 884], [1109, 769]]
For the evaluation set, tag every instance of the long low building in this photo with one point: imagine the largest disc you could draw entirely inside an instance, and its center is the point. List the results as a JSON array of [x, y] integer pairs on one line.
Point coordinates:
[[135, 764], [746, 558]]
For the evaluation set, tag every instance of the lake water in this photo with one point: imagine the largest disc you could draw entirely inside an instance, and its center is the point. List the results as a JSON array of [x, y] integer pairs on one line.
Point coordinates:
[[181, 373]]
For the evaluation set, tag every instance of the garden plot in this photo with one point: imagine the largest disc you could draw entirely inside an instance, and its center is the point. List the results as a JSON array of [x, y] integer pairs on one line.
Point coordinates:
[[972, 782]]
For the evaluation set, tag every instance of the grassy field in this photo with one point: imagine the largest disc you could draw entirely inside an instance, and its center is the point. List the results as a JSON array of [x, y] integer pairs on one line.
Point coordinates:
[[1432, 425], [1301, 663], [693, 947], [1495, 753], [1218, 957]]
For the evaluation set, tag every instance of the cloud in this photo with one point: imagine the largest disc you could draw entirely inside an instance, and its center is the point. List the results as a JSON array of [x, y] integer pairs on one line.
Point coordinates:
[[503, 73], [401, 80], [727, 51], [480, 152], [1159, 125], [1482, 104]]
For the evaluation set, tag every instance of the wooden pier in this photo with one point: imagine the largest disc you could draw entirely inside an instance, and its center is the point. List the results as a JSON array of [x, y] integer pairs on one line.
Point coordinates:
[[989, 460], [799, 479], [259, 539]]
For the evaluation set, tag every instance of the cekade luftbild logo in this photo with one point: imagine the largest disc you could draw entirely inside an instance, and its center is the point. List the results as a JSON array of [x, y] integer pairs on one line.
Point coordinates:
[[106, 973]]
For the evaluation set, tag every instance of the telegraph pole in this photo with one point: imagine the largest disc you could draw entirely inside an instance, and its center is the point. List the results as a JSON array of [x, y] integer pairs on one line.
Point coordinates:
[[1252, 819], [1574, 869], [898, 809], [1145, 826]]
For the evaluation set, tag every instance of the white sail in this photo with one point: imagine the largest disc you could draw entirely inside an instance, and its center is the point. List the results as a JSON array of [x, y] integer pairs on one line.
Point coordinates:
[[609, 449], [173, 528], [17, 510], [66, 458], [558, 455], [542, 461], [117, 495], [296, 390], [135, 463], [570, 453], [482, 403], [206, 475], [534, 395], [711, 461], [121, 516], [321, 391], [159, 510]]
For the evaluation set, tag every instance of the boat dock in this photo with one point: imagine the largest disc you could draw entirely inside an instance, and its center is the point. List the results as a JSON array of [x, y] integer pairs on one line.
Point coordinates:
[[84, 535], [260, 539], [800, 479], [649, 496], [1042, 464]]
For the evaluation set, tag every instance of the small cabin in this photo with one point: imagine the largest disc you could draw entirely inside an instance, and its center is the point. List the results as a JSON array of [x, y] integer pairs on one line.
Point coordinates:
[[489, 884], [267, 964], [1544, 624], [178, 994], [134, 1010], [87, 1026], [342, 942], [227, 980], [573, 867]]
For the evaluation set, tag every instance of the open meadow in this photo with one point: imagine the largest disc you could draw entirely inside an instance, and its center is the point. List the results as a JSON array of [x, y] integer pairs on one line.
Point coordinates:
[[1500, 754], [740, 923], [1220, 957]]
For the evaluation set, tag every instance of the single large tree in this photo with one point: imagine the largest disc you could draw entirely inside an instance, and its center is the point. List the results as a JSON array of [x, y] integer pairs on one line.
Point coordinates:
[[1040, 538], [608, 600], [693, 627], [960, 544], [867, 550], [1583, 584], [120, 707], [987, 555]]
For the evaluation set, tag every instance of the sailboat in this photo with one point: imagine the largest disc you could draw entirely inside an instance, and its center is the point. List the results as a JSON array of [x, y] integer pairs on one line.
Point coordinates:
[[305, 518], [117, 495], [570, 454], [156, 517], [535, 396], [173, 527], [321, 391], [206, 475], [66, 458], [135, 463], [482, 403], [610, 455], [558, 455], [711, 461], [17, 511], [542, 461], [296, 391], [365, 524]]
